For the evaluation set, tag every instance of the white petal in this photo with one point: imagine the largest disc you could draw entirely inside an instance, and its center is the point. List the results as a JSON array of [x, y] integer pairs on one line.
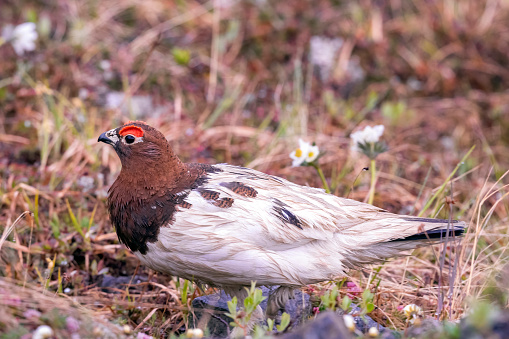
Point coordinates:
[[379, 130], [29, 46], [18, 49], [368, 134], [304, 146], [356, 136], [294, 156], [297, 162], [24, 29], [315, 151]]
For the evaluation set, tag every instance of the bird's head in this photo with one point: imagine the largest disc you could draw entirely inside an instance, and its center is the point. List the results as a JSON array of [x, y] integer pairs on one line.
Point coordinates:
[[138, 145]]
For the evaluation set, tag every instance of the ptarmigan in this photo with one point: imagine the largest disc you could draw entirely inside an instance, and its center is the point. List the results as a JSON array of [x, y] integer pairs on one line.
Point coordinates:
[[227, 226]]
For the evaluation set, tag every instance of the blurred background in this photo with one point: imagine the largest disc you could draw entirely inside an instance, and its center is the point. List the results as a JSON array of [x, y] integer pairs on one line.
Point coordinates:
[[241, 82]]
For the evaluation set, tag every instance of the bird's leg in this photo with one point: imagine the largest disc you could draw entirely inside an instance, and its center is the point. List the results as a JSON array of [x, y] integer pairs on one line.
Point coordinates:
[[277, 300]]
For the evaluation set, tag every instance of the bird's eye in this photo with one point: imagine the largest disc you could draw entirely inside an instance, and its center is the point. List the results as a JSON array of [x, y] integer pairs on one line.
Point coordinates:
[[129, 139]]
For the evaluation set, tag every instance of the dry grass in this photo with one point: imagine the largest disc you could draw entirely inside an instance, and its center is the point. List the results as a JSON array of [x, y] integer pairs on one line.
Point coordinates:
[[231, 82]]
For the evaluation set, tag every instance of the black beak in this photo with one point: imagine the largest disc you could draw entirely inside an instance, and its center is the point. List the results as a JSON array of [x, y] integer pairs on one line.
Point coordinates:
[[105, 139]]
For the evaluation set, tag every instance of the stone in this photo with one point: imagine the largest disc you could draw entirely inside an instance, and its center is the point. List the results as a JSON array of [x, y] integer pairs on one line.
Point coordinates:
[[326, 325], [425, 326], [364, 323], [209, 310], [113, 284], [494, 324]]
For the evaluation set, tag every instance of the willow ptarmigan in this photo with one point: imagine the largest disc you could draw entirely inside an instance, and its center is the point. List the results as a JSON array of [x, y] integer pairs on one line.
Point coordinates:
[[226, 226]]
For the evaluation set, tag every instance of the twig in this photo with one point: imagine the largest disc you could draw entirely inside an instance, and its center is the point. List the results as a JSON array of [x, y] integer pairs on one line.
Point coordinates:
[[9, 229], [146, 318], [355, 180], [31, 222]]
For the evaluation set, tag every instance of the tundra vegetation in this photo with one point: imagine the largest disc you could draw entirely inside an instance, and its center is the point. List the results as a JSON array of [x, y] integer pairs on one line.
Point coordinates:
[[241, 82]]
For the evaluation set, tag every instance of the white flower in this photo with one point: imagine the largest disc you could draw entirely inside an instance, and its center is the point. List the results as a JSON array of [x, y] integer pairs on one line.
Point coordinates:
[[367, 135], [305, 153], [194, 333], [373, 332], [126, 329], [42, 332], [21, 37], [105, 65], [322, 53], [412, 312], [83, 93], [349, 322]]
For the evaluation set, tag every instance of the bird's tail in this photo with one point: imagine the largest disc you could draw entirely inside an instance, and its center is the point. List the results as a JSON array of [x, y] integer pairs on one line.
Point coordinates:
[[429, 232]]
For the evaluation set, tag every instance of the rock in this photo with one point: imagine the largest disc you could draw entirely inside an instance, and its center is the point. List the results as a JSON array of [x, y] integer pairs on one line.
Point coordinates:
[[500, 326], [494, 323], [425, 326], [110, 283], [211, 309], [327, 325], [363, 324]]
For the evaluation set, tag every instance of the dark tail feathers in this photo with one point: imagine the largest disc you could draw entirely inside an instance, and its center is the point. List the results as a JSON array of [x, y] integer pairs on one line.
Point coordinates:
[[456, 228]]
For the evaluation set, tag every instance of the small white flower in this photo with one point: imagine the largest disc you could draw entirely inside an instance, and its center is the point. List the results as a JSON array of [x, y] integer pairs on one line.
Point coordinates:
[[21, 37], [373, 332], [349, 322], [412, 312], [105, 65], [85, 182], [126, 329], [322, 53], [83, 93], [42, 332], [305, 153], [368, 135], [194, 333]]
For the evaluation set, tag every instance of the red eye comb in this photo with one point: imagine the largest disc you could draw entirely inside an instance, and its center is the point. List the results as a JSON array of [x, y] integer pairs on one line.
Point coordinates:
[[134, 130]]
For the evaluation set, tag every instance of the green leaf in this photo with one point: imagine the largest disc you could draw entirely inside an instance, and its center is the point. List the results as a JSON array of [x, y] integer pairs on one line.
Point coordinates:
[[270, 324], [370, 307], [183, 294], [285, 321], [74, 221], [345, 305], [367, 295], [232, 307]]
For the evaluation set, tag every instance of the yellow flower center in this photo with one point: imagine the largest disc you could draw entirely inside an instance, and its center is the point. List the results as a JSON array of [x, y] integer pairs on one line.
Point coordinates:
[[298, 153], [310, 154]]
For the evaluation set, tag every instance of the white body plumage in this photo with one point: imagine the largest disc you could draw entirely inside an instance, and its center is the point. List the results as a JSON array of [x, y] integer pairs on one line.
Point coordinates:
[[252, 241]]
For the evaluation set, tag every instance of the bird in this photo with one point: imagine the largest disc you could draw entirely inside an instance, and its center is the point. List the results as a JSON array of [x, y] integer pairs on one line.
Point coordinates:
[[227, 226]]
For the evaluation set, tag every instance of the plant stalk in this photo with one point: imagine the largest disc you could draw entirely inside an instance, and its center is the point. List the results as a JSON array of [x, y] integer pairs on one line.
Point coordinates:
[[322, 177], [373, 181]]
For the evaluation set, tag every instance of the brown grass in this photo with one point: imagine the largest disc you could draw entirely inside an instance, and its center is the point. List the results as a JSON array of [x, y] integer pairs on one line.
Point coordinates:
[[234, 84]]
